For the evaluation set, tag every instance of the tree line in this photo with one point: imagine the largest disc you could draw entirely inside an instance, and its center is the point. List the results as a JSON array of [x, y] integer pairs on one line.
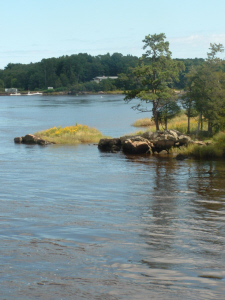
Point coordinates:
[[76, 73], [66, 71]]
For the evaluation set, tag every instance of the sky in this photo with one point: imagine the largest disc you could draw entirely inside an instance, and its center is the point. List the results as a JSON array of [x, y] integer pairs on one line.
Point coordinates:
[[36, 29]]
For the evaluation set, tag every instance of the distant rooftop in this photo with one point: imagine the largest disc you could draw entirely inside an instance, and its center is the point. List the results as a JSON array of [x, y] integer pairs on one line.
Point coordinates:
[[100, 78]]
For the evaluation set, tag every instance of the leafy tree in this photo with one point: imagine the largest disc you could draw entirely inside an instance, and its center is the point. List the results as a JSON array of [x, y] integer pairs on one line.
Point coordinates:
[[187, 99], [156, 71], [107, 85], [207, 88], [64, 79], [190, 64], [58, 83]]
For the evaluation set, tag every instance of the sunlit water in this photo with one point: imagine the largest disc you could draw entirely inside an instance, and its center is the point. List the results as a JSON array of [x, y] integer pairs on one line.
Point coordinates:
[[76, 223]]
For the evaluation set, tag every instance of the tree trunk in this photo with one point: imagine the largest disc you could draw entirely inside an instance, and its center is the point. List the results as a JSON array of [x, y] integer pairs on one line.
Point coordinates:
[[155, 114], [199, 121], [156, 121], [165, 123], [210, 127]]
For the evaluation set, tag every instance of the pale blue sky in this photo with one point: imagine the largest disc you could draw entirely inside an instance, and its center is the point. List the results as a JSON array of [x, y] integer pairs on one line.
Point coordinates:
[[36, 29]]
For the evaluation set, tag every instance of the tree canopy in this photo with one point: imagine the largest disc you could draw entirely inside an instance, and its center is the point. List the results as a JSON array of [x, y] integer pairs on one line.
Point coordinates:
[[155, 75], [205, 90]]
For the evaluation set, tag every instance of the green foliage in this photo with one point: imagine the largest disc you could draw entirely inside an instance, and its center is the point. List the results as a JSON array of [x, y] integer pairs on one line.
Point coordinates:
[[67, 71], [1, 83], [169, 110], [189, 63], [205, 91], [207, 152], [214, 150]]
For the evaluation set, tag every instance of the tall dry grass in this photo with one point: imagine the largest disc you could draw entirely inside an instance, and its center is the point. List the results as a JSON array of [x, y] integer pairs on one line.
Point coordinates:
[[179, 123], [146, 122]]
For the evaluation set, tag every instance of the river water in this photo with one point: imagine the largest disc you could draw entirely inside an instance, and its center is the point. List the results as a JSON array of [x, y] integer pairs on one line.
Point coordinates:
[[76, 223]]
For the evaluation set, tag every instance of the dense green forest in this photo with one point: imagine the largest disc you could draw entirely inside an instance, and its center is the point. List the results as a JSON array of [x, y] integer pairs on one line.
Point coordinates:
[[76, 73]]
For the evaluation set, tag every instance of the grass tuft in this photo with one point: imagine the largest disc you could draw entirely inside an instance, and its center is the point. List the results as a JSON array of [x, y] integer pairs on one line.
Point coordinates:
[[70, 134], [143, 123]]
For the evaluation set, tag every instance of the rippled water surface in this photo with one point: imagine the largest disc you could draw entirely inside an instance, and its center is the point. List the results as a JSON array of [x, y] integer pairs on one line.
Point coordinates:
[[76, 223]]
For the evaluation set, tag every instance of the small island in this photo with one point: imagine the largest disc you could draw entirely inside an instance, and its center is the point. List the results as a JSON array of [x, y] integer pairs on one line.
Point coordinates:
[[70, 135]]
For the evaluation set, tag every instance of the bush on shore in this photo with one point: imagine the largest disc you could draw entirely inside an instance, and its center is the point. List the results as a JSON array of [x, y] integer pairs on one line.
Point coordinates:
[[70, 135], [214, 150]]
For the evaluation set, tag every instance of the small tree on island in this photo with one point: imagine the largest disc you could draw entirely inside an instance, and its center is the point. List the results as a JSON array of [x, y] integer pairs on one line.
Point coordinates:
[[155, 74]]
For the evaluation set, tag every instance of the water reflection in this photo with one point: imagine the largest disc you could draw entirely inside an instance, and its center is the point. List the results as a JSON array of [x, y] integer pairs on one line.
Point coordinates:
[[183, 220]]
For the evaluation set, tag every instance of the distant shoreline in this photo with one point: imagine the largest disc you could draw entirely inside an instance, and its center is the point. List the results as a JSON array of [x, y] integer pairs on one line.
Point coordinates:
[[68, 93]]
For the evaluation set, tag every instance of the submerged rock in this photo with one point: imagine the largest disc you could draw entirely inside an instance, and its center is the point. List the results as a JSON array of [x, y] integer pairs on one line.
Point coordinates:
[[109, 145], [181, 156], [18, 140]]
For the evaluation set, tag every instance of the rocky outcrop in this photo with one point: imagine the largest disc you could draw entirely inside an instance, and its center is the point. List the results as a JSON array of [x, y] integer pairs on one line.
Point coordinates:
[[164, 140], [30, 139], [150, 142], [181, 156]]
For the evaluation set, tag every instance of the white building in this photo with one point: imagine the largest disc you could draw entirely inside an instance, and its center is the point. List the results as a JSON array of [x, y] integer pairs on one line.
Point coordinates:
[[11, 90], [100, 78]]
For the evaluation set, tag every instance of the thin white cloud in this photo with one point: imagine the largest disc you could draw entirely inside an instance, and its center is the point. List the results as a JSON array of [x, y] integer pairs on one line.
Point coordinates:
[[194, 45], [196, 39]]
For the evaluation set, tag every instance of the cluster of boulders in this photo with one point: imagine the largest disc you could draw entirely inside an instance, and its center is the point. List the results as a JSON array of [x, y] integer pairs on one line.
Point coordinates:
[[158, 142], [30, 139], [148, 142]]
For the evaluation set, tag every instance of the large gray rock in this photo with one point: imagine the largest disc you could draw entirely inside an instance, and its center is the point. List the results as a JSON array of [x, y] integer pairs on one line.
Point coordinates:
[[29, 139], [184, 139], [164, 140], [32, 139], [151, 136], [137, 145]]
